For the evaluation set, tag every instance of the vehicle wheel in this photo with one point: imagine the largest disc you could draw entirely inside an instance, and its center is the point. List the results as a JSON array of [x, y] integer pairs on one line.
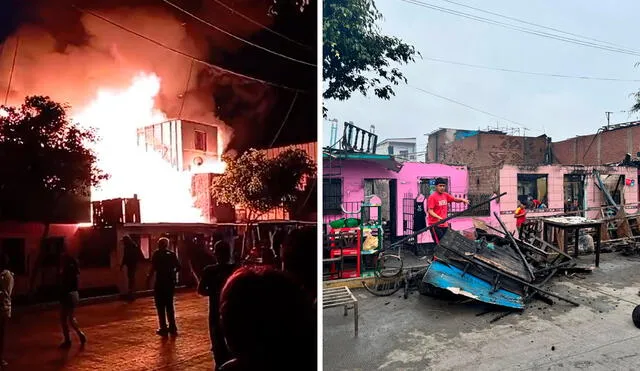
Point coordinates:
[[389, 266], [635, 315]]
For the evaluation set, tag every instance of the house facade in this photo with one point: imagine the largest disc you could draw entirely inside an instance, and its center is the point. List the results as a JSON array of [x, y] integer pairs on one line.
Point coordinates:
[[402, 190], [186, 145], [404, 149], [566, 189]]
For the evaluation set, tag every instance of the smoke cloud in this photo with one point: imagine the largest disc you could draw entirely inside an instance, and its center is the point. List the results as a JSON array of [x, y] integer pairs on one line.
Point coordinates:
[[69, 55]]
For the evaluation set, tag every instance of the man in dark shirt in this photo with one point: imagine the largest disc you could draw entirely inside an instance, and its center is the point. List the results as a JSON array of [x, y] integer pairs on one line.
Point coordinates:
[[165, 266], [213, 279]]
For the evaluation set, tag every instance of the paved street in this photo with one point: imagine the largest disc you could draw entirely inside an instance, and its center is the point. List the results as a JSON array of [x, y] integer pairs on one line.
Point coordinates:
[[423, 333], [121, 336]]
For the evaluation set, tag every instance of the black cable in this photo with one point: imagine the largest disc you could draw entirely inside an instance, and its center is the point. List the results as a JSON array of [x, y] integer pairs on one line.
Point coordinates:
[[465, 105], [532, 23], [521, 29], [528, 72], [237, 37], [263, 26]]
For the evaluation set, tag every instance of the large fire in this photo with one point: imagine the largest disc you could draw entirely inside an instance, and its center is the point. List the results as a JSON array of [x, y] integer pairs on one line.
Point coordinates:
[[165, 193]]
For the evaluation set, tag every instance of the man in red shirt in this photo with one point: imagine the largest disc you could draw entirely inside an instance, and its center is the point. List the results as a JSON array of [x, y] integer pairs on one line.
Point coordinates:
[[438, 208]]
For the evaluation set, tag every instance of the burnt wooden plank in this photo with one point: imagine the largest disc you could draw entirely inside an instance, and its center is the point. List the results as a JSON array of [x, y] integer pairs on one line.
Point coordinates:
[[500, 257]]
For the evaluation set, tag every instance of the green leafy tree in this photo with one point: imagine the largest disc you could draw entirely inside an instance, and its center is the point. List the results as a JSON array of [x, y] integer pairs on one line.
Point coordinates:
[[259, 184], [46, 160], [356, 56], [636, 106]]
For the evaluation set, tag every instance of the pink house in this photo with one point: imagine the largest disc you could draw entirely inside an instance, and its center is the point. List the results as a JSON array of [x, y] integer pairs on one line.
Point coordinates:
[[566, 189], [398, 186]]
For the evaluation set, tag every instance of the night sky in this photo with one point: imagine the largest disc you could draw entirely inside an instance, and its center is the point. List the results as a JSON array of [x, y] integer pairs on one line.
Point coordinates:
[[251, 129]]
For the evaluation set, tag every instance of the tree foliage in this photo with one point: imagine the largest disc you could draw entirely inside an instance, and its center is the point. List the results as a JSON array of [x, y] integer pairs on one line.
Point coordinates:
[[357, 57], [260, 184], [44, 158], [286, 6], [636, 106]]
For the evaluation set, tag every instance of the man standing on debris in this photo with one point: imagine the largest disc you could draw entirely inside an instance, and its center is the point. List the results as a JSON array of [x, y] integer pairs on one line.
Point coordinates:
[[165, 266], [438, 208], [521, 217]]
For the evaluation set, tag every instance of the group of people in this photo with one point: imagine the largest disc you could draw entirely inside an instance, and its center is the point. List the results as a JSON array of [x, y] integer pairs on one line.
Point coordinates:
[[254, 312], [68, 274], [438, 209]]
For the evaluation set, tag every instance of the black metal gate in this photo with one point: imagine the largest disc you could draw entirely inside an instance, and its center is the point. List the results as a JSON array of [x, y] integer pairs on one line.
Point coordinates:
[[407, 213]]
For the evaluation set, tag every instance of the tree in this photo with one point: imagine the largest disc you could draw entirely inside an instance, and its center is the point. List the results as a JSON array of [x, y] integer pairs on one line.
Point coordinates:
[[636, 106], [259, 184], [356, 56], [45, 158]]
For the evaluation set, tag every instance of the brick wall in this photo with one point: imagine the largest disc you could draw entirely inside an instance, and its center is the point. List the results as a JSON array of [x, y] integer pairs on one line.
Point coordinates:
[[488, 149], [605, 148], [484, 179]]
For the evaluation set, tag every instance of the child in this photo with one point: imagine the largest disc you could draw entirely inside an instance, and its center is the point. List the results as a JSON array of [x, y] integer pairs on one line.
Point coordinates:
[[521, 217]]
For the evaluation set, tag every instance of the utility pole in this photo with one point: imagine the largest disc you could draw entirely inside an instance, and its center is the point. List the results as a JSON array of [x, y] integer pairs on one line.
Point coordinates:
[[608, 113]]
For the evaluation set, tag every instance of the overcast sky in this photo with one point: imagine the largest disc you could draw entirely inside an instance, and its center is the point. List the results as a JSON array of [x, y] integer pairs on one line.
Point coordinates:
[[560, 107]]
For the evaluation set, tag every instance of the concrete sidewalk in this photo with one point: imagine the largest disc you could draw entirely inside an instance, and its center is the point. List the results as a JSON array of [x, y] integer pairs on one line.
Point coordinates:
[[121, 336], [423, 333]]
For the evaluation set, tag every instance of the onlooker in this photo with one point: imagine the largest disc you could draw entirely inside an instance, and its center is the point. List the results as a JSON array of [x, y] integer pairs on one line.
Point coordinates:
[[521, 216], [438, 208], [131, 257], [69, 298], [6, 289], [213, 279], [299, 257], [165, 266], [268, 321]]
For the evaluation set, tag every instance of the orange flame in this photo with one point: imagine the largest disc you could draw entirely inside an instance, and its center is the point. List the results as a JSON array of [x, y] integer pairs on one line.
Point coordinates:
[[165, 194]]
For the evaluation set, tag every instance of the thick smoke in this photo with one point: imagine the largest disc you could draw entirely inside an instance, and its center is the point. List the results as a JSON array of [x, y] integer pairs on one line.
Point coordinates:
[[69, 55]]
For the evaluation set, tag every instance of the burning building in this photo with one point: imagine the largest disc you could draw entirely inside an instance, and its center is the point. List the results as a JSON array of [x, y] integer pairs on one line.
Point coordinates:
[[186, 145], [194, 148]]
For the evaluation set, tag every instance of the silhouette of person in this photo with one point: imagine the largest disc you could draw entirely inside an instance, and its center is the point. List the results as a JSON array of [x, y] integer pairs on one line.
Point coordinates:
[[6, 289], [69, 298], [268, 321], [299, 257], [213, 279], [131, 257], [165, 266]]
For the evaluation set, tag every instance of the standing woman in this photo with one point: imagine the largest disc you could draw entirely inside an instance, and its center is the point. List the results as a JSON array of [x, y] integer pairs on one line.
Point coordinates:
[[69, 298]]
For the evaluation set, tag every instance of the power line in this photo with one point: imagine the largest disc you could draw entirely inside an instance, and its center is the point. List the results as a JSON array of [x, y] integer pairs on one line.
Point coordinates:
[[286, 117], [263, 26], [530, 73], [237, 37], [465, 105], [522, 29], [213, 66], [531, 23], [13, 66]]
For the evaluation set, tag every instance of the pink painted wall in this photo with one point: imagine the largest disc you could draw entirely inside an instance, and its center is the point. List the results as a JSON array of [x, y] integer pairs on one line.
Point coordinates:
[[555, 189], [354, 172]]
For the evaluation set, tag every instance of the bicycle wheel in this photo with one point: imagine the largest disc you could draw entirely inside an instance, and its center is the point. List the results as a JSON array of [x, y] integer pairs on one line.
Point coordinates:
[[389, 266]]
